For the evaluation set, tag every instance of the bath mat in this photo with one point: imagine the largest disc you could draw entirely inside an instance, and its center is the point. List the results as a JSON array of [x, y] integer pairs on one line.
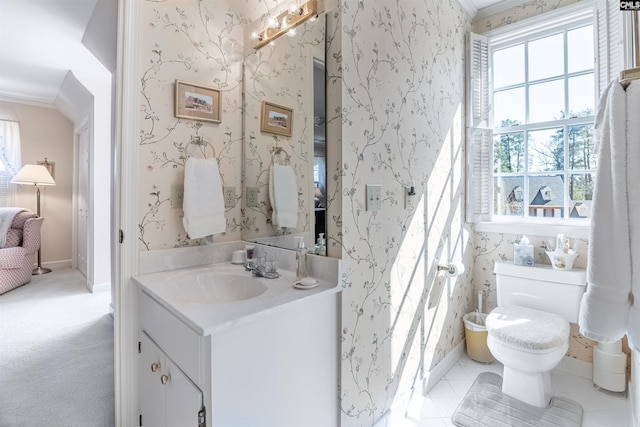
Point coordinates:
[[485, 405]]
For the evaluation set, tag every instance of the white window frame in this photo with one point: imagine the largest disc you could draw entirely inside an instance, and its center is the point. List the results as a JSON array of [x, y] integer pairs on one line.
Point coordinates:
[[608, 45]]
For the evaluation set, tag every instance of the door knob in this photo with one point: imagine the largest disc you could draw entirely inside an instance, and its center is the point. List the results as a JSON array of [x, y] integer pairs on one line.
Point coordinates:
[[165, 378], [155, 366]]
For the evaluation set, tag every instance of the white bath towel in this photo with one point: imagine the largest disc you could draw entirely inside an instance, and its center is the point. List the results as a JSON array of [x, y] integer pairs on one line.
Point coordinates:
[[203, 203], [605, 306], [283, 194], [6, 218], [633, 178]]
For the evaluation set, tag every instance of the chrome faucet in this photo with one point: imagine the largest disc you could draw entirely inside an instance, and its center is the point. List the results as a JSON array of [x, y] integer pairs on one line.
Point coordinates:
[[264, 268]]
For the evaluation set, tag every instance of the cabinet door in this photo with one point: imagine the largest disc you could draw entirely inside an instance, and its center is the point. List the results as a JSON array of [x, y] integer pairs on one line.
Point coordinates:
[[152, 393], [168, 398], [183, 400]]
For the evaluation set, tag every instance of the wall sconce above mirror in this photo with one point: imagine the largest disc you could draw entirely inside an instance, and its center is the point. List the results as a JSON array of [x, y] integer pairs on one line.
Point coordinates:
[[284, 23]]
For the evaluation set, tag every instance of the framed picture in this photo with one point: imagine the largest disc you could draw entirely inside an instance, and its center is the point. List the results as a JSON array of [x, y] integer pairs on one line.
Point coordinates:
[[276, 119], [197, 102], [51, 166]]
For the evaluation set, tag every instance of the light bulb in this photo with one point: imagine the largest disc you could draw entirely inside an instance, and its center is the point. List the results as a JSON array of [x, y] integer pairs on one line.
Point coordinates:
[[293, 8], [254, 35], [292, 32], [313, 18], [272, 22]]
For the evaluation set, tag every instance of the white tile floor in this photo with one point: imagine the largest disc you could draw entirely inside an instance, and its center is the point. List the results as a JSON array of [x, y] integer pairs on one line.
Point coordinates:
[[435, 409]]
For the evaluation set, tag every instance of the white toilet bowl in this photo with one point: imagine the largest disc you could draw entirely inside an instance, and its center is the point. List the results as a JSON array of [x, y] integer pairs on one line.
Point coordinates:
[[529, 343]]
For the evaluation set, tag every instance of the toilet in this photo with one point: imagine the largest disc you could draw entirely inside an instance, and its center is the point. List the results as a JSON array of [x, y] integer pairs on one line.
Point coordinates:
[[528, 332]]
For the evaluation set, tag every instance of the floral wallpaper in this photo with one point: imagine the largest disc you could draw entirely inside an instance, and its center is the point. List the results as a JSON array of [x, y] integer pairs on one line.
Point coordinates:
[[281, 74], [525, 10], [402, 113], [198, 42]]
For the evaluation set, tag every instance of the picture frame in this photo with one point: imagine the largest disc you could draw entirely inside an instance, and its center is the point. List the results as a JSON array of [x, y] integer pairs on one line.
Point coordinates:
[[276, 119], [198, 102], [51, 166]]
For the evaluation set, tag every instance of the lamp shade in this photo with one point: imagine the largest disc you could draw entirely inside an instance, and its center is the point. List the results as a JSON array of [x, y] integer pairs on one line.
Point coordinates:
[[33, 175]]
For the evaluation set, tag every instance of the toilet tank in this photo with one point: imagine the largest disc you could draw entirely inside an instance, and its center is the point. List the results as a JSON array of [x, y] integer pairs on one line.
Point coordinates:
[[541, 287]]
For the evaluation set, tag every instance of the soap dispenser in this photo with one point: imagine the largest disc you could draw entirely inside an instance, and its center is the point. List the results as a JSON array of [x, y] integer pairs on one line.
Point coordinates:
[[301, 258], [322, 245]]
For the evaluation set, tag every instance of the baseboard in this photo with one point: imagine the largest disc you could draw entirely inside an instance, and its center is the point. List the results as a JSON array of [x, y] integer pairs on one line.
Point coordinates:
[[576, 367], [440, 370], [101, 287], [56, 265]]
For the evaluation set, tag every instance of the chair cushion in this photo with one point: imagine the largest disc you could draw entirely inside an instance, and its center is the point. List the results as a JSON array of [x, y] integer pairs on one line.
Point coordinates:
[[527, 328], [14, 238], [21, 218], [14, 235]]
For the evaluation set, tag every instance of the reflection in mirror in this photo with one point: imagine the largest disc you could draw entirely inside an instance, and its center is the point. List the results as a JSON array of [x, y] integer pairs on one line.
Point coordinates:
[[289, 73]]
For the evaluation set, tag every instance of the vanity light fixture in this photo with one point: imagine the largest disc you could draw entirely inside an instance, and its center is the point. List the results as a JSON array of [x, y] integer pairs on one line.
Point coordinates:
[[287, 21]]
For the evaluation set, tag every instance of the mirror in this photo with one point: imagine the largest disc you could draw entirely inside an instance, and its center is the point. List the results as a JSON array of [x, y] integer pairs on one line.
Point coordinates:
[[289, 75]]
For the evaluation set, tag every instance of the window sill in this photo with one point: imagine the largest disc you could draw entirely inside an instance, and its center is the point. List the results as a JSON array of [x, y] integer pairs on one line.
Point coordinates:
[[573, 229]]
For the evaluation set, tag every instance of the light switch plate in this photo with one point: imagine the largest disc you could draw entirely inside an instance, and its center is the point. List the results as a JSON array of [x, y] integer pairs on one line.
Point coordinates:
[[230, 197], [374, 197], [177, 194], [253, 194]]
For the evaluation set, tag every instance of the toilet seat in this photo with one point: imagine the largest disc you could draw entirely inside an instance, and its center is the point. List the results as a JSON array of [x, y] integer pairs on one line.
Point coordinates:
[[526, 328]]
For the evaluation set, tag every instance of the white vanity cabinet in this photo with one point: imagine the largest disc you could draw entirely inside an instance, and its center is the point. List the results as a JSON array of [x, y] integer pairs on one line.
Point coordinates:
[[268, 361]]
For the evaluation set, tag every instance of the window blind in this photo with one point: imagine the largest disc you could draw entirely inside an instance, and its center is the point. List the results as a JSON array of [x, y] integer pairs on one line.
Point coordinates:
[[479, 151]]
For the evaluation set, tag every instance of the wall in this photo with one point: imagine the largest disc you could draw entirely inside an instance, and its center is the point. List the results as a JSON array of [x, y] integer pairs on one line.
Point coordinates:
[[402, 109], [491, 247], [196, 42], [45, 132]]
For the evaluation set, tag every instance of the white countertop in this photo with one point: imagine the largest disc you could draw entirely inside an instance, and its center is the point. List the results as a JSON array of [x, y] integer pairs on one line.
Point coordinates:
[[208, 318]]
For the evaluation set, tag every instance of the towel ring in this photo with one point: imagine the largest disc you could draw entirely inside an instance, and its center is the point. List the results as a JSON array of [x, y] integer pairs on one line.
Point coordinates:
[[201, 144], [280, 156]]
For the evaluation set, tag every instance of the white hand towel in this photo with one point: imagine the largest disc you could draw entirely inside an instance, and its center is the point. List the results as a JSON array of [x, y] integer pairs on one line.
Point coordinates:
[[605, 305], [633, 177], [203, 203], [283, 194]]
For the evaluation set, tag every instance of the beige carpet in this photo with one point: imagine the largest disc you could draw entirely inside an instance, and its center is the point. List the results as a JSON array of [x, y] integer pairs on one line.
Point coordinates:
[[56, 354], [485, 405]]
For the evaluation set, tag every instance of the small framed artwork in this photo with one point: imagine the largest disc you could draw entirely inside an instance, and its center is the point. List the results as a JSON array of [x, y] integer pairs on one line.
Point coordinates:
[[197, 102], [276, 119], [51, 166]]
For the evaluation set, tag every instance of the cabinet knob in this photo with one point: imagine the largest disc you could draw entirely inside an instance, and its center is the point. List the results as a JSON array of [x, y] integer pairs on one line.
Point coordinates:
[[155, 366], [165, 378]]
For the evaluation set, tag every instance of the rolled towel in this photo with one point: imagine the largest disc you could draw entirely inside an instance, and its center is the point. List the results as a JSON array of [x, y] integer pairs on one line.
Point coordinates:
[[203, 203]]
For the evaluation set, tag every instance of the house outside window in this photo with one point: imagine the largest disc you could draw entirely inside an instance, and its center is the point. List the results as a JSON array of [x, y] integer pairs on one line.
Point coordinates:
[[533, 89]]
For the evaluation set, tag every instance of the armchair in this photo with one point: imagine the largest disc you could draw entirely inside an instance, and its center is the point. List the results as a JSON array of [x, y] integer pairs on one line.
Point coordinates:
[[16, 257]]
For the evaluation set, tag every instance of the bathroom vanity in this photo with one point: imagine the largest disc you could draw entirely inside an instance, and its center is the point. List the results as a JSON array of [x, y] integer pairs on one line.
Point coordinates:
[[221, 347]]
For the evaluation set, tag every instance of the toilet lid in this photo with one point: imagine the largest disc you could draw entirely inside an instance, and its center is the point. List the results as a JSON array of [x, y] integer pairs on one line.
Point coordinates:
[[527, 328]]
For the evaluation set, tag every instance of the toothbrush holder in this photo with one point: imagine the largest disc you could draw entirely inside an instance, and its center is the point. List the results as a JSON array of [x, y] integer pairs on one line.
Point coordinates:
[[562, 260]]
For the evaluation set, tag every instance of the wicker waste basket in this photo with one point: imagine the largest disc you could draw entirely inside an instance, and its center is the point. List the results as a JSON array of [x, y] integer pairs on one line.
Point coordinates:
[[475, 333]]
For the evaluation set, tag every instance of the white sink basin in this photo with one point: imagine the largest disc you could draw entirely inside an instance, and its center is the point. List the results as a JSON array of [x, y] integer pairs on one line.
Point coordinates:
[[220, 288]]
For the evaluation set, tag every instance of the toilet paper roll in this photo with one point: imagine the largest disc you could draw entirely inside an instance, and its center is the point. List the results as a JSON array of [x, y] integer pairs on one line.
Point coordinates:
[[456, 268]]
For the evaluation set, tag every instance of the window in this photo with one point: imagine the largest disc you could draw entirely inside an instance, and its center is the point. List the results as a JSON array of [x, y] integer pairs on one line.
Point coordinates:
[[533, 92], [10, 158]]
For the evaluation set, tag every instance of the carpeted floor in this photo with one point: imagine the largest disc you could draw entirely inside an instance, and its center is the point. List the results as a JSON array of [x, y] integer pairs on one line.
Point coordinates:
[[486, 406], [56, 354]]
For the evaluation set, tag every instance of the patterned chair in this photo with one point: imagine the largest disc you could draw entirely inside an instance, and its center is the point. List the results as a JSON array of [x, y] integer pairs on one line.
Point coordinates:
[[16, 256]]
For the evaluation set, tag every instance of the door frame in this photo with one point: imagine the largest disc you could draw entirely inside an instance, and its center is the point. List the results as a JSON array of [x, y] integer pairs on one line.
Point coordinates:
[[124, 216]]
